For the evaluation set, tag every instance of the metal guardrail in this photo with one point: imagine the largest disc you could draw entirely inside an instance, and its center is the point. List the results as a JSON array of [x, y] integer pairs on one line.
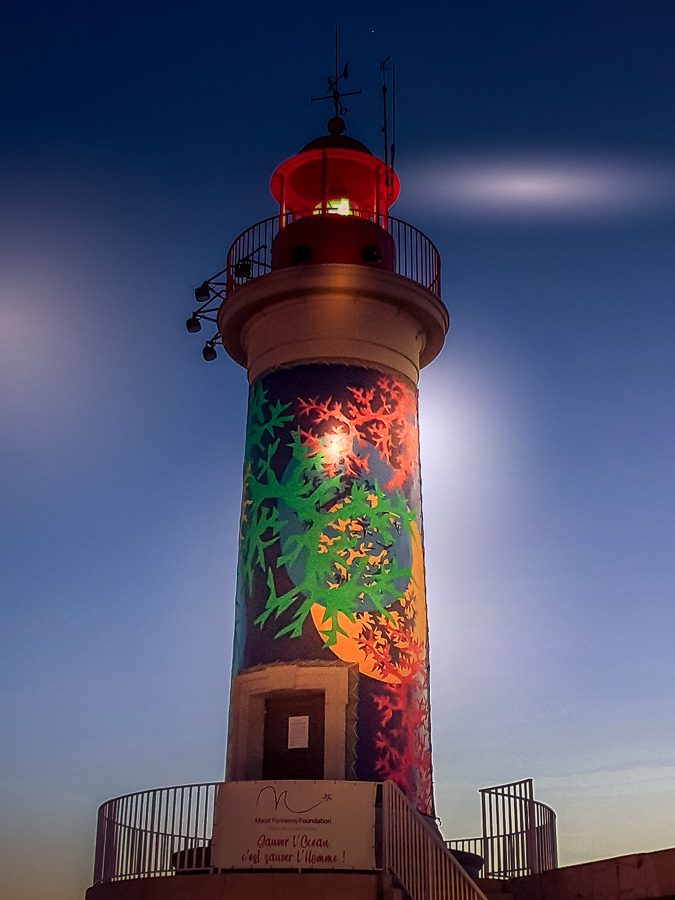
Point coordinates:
[[545, 837], [168, 831], [417, 857], [468, 845], [156, 832], [251, 253], [519, 832]]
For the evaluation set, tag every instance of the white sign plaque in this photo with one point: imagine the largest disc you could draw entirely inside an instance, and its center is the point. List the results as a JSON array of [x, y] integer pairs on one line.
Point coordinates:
[[294, 825], [298, 732]]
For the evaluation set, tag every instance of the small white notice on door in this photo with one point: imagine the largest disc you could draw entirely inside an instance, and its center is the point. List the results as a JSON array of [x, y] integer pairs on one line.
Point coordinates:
[[298, 732]]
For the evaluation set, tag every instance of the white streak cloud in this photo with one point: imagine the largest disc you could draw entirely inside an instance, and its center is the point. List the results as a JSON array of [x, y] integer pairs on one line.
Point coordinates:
[[542, 185]]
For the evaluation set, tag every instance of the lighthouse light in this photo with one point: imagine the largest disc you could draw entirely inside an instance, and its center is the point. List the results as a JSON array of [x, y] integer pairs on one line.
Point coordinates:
[[335, 447], [338, 206]]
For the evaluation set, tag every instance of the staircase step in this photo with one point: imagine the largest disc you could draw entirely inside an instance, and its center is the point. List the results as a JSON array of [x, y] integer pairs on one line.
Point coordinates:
[[497, 895]]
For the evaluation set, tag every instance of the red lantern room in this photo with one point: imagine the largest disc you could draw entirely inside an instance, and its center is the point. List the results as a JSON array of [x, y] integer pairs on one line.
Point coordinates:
[[334, 197]]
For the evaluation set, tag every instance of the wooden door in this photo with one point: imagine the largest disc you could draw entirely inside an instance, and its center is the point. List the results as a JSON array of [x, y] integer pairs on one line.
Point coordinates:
[[294, 735]]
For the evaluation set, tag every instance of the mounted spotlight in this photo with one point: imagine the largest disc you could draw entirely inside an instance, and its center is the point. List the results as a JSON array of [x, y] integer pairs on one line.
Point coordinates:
[[203, 293], [209, 351], [243, 269], [193, 324]]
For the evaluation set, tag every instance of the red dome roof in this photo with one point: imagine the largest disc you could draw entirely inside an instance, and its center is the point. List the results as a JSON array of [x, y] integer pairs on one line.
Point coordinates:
[[334, 169]]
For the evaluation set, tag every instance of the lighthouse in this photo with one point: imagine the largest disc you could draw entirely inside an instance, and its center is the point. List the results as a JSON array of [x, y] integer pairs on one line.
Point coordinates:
[[332, 306], [330, 640]]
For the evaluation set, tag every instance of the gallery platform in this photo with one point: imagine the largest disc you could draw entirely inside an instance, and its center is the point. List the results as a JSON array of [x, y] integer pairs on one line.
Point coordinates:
[[273, 840]]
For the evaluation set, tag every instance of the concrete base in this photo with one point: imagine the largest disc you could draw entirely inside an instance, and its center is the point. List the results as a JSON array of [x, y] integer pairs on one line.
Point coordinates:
[[243, 886], [639, 876]]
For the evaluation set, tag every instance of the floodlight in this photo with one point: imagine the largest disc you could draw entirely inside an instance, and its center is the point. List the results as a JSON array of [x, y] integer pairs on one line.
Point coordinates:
[[203, 293], [209, 351], [243, 269]]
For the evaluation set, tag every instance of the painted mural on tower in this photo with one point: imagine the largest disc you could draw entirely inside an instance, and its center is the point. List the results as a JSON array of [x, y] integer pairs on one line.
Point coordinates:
[[330, 559]]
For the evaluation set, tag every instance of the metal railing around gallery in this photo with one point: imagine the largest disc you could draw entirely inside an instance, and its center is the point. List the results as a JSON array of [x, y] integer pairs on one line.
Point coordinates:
[[167, 831], [156, 832], [251, 253], [519, 832]]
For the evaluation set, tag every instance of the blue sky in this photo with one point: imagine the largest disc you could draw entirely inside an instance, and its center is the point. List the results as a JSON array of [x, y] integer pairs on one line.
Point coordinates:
[[536, 147]]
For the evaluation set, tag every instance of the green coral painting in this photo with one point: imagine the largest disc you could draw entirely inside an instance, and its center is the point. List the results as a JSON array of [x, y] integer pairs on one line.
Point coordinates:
[[330, 557]]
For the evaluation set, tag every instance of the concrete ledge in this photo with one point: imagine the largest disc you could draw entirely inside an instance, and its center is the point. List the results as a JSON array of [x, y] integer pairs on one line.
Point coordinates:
[[639, 876], [332, 312], [243, 886]]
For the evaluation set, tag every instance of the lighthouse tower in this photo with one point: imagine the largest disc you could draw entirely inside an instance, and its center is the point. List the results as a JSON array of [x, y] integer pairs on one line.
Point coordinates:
[[332, 306], [330, 644]]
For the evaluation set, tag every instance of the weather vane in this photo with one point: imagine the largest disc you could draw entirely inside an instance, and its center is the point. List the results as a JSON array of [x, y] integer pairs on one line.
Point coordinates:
[[334, 85]]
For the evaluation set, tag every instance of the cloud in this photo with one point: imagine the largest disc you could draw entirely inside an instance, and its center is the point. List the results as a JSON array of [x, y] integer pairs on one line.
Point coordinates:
[[541, 185], [617, 780]]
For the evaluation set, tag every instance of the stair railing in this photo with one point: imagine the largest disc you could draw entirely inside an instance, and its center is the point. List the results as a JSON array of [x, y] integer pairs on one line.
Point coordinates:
[[417, 857]]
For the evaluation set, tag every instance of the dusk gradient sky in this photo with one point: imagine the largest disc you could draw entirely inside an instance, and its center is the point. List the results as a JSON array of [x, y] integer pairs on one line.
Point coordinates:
[[536, 148]]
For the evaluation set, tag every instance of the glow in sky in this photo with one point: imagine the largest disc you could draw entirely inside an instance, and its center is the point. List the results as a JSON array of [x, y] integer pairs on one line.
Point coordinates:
[[531, 186]]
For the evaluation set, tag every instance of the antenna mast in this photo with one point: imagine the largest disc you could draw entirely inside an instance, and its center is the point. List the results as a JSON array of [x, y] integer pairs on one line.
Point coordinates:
[[389, 149], [393, 116], [384, 115]]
